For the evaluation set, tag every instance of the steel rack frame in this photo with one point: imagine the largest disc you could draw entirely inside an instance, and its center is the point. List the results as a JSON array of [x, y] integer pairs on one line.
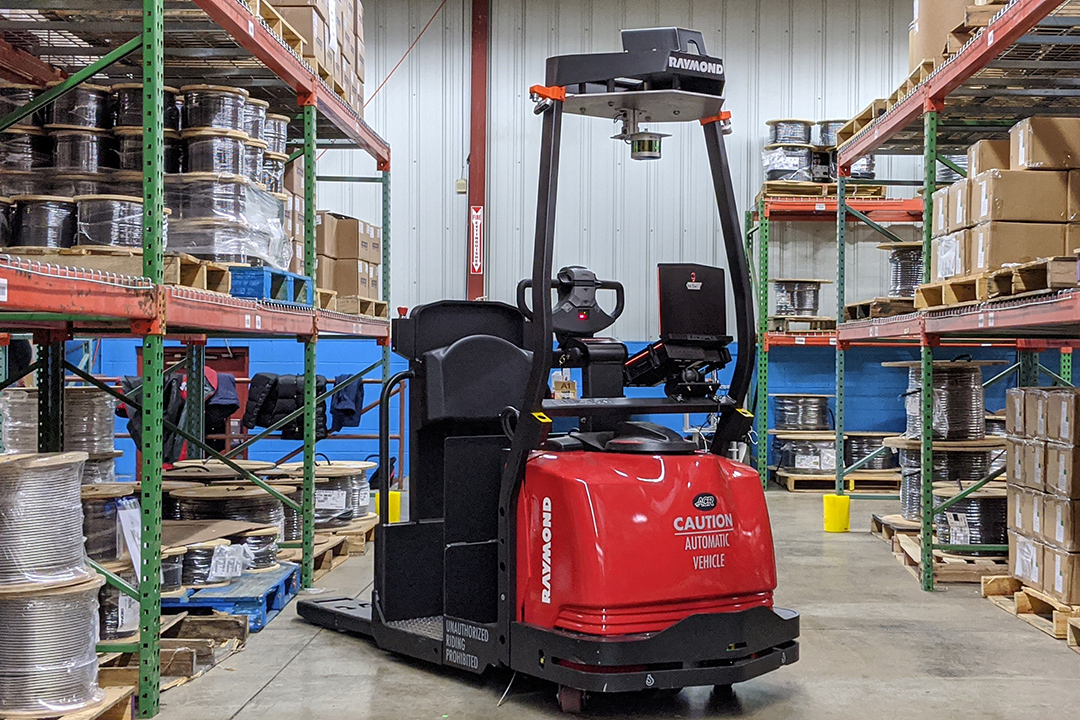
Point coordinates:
[[194, 41], [1023, 63]]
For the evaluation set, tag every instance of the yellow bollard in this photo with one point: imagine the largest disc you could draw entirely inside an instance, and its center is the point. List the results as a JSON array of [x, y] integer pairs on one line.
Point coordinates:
[[837, 513], [395, 504]]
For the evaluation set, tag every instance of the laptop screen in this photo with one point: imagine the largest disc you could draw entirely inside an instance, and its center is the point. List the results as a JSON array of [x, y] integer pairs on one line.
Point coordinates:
[[693, 303]]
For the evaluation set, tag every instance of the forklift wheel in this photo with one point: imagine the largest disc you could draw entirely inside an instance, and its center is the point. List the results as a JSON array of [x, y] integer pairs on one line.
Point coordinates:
[[571, 700]]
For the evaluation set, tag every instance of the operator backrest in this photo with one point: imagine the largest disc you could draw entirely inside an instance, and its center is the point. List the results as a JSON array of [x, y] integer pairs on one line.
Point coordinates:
[[440, 324]]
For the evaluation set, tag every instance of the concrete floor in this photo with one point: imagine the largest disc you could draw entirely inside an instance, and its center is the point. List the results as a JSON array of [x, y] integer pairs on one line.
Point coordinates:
[[872, 644]]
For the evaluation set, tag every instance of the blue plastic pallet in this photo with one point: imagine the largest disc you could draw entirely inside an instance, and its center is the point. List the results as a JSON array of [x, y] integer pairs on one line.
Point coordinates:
[[263, 283], [260, 596]]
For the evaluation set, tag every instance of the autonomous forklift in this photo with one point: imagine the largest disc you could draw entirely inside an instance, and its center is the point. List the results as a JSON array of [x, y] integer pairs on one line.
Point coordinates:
[[616, 556]]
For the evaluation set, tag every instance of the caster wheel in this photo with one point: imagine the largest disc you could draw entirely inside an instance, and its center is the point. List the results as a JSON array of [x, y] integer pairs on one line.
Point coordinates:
[[571, 700]]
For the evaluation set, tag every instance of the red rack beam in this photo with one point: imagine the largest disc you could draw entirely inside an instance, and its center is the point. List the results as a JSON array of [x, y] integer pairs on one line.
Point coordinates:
[[824, 209], [32, 287], [799, 339], [995, 39], [905, 327], [1062, 312]]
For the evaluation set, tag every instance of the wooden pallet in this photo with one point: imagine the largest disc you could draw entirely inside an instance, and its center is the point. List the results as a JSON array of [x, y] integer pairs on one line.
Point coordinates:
[[359, 533], [327, 299], [354, 305], [917, 76], [953, 292], [278, 24], [330, 551], [800, 323], [188, 649], [948, 568], [888, 526], [870, 113], [1057, 273], [868, 481], [796, 189], [881, 307], [166, 623], [1031, 605], [1073, 634], [178, 268]]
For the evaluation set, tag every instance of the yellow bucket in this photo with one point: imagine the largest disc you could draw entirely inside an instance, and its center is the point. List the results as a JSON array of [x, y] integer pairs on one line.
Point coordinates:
[[837, 513], [395, 504]]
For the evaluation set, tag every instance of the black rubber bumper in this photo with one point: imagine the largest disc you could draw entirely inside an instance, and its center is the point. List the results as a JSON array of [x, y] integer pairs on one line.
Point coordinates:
[[714, 649], [343, 614]]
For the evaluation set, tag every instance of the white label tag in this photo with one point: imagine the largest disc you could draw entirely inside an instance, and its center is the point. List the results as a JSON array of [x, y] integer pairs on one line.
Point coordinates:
[[227, 563], [1018, 416], [1064, 432], [1023, 149], [982, 252], [3, 289], [984, 205], [807, 462], [1018, 521], [960, 210], [1063, 473], [129, 518], [329, 499], [1038, 469], [1040, 422], [127, 615], [959, 532], [1036, 518], [1059, 577], [828, 459], [1060, 532]]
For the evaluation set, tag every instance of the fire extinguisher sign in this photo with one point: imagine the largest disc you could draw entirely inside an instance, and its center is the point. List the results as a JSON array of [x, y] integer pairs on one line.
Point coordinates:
[[476, 240]]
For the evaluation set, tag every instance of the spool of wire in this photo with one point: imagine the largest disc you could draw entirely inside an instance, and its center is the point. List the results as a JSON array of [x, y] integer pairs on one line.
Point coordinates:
[[214, 106], [255, 118], [979, 519], [48, 663], [14, 96], [114, 220], [197, 560], [946, 175], [865, 168], [253, 161], [273, 171], [129, 149], [214, 151], [169, 509], [73, 185], [788, 162], [789, 131], [24, 149], [43, 221], [802, 412], [293, 527], [261, 547], [808, 456], [5, 221], [172, 569], [959, 411], [207, 196], [344, 491], [995, 426], [83, 106], [101, 524], [951, 466], [99, 471], [827, 130], [18, 182], [798, 297], [276, 133], [230, 502], [126, 108], [857, 446], [84, 151], [41, 527], [118, 613], [905, 271], [89, 423], [216, 239]]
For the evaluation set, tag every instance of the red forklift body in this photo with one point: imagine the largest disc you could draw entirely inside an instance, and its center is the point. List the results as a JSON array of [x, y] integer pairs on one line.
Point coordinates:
[[618, 543]]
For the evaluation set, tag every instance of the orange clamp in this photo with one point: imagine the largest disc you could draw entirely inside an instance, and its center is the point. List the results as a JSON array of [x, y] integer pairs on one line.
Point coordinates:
[[724, 116], [551, 93]]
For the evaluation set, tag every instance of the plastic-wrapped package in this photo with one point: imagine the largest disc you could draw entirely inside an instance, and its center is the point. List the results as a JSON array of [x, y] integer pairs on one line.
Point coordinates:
[[101, 525], [5, 221], [13, 96], [255, 118], [172, 569], [125, 106], [109, 220], [25, 149], [273, 171], [86, 150], [19, 182], [959, 406], [197, 561], [129, 149], [71, 185], [230, 502], [48, 663], [214, 151], [790, 131], [41, 529], [864, 168], [827, 130], [809, 457], [276, 133], [260, 547], [99, 471], [788, 162], [213, 106], [89, 420], [84, 106], [118, 612], [253, 161], [43, 221]]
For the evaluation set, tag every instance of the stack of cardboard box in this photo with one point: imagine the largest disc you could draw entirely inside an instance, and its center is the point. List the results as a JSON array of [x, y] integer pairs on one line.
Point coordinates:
[[940, 28], [349, 255], [333, 32], [1016, 205], [1044, 489]]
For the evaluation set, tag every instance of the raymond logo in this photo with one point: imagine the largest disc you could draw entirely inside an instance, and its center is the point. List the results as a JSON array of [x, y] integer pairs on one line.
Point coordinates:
[[693, 284], [705, 502]]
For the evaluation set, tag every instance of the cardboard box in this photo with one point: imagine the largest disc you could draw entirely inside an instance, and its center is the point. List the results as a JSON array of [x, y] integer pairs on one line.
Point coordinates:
[[1014, 460], [296, 264], [988, 155], [1017, 196], [1037, 524], [294, 177], [1062, 575], [324, 272], [1037, 403], [326, 234], [994, 244], [348, 278], [1072, 210], [1063, 470], [371, 248], [310, 22], [1025, 559], [1063, 416], [949, 256], [1020, 509], [932, 21], [960, 216], [1045, 143], [941, 212], [1034, 471], [1061, 523], [348, 237], [1014, 411]]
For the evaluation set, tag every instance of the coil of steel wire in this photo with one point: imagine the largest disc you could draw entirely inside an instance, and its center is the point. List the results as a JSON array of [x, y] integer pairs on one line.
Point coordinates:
[[959, 403], [273, 171], [25, 149], [905, 271], [129, 148], [18, 182], [114, 220], [89, 423], [199, 196], [99, 471], [802, 412], [101, 522], [126, 108], [789, 162], [343, 485], [946, 175], [979, 519], [197, 562], [856, 447], [118, 613], [230, 502], [995, 425], [827, 130], [83, 106], [14, 96], [797, 297], [958, 467], [214, 151], [213, 106], [48, 663], [169, 509], [261, 547], [255, 118], [276, 133], [72, 185], [85, 151], [43, 221], [254, 150], [216, 239], [41, 525], [172, 569], [790, 131], [865, 168], [808, 457]]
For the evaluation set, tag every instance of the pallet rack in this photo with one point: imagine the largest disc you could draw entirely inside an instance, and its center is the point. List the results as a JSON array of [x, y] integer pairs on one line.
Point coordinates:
[[219, 41], [1022, 64], [758, 231]]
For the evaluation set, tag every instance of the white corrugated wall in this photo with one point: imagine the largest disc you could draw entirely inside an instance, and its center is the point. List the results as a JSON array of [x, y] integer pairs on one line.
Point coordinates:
[[816, 59]]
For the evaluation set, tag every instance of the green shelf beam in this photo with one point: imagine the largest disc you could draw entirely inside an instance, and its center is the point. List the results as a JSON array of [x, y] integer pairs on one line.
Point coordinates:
[[762, 410], [307, 566], [926, 356], [840, 356]]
